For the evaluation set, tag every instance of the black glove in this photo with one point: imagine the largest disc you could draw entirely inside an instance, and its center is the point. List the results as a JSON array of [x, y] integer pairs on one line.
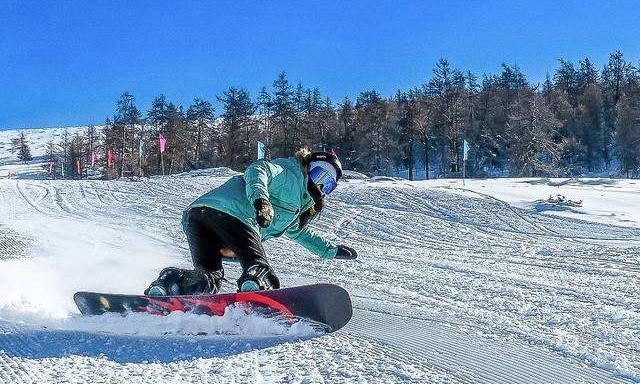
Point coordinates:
[[346, 253], [264, 212]]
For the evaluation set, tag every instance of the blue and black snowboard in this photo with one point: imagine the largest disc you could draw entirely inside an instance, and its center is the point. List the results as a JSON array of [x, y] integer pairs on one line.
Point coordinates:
[[325, 304]]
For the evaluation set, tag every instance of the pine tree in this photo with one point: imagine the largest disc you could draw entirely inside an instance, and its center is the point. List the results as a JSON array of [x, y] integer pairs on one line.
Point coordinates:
[[627, 137], [405, 130], [547, 87], [52, 158], [157, 114], [314, 120], [77, 154], [373, 133], [66, 155], [157, 120], [589, 124], [566, 79], [423, 113], [15, 145], [238, 127], [177, 155], [587, 74], [346, 131], [490, 118], [283, 116], [92, 139], [24, 151], [127, 118], [532, 127], [447, 88], [201, 119], [616, 75], [327, 120], [265, 110]]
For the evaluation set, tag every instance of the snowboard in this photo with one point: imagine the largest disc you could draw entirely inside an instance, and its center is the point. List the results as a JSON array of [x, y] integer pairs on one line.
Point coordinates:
[[328, 305]]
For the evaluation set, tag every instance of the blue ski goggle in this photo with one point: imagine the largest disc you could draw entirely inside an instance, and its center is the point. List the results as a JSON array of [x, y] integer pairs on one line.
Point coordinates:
[[323, 178]]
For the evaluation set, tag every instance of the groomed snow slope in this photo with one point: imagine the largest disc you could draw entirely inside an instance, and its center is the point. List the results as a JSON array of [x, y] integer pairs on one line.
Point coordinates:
[[448, 288]]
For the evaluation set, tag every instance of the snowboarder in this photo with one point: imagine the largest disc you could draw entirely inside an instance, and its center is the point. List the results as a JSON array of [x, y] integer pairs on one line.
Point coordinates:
[[271, 199]]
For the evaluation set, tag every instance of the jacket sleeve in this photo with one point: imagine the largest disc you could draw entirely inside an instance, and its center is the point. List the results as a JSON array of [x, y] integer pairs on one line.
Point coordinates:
[[257, 177], [311, 240]]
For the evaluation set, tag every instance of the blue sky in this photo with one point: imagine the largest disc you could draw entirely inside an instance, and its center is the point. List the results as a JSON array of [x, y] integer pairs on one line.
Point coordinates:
[[66, 62]]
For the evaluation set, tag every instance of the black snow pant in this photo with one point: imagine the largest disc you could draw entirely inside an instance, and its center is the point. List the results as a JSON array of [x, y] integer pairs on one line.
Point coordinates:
[[211, 232]]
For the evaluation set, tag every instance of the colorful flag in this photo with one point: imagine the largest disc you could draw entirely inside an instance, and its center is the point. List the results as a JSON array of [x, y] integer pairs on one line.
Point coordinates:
[[162, 143], [260, 150], [110, 158], [93, 159], [78, 166], [141, 148], [465, 150]]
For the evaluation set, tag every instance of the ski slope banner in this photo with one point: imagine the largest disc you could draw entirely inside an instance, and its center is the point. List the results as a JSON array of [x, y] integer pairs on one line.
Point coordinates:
[[162, 142], [110, 158]]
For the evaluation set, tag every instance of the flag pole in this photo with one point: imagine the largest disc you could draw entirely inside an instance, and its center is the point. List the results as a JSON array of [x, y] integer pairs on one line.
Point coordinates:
[[464, 163], [464, 172], [465, 151]]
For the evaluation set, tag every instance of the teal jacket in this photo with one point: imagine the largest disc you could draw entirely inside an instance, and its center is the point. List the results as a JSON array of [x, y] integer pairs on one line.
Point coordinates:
[[283, 183]]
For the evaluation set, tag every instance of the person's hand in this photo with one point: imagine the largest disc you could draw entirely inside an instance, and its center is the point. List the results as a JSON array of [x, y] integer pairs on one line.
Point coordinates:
[[264, 212], [346, 253]]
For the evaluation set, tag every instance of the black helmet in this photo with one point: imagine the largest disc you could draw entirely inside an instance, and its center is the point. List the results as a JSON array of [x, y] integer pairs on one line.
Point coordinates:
[[329, 157]]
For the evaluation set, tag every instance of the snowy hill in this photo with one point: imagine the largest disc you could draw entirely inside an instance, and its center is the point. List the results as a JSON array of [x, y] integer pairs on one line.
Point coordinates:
[[37, 138], [603, 200], [451, 286]]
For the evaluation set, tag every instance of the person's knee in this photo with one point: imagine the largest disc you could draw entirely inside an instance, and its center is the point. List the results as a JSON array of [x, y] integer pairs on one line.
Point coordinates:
[[228, 253]]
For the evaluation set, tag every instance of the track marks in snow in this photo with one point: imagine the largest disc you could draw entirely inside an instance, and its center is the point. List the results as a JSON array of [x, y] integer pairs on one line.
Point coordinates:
[[484, 360], [477, 263]]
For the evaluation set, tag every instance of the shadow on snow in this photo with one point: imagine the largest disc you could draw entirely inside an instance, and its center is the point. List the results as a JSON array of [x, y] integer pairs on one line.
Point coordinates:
[[44, 343]]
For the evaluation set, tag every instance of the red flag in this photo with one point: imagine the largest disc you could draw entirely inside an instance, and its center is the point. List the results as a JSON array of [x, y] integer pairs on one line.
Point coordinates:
[[110, 158], [78, 165], [162, 143]]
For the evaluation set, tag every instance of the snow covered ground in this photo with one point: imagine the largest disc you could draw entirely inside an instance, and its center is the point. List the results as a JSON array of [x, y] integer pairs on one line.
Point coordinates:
[[453, 285], [604, 200], [450, 287]]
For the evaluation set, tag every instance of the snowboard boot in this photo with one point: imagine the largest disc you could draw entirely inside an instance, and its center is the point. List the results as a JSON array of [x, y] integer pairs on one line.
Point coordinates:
[[258, 277], [177, 281]]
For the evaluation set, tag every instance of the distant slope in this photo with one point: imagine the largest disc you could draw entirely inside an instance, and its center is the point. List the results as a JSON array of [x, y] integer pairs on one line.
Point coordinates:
[[604, 200], [36, 137]]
